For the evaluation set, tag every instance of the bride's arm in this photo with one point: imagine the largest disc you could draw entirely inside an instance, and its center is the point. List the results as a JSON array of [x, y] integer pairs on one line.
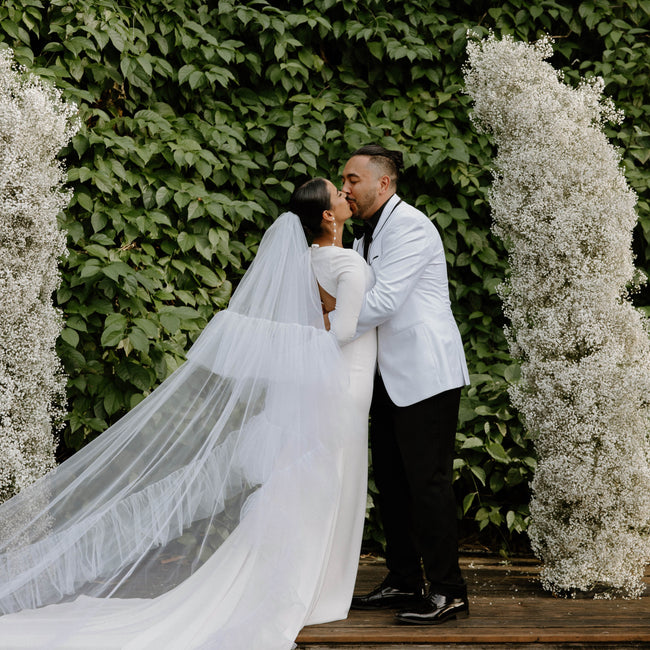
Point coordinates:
[[350, 289]]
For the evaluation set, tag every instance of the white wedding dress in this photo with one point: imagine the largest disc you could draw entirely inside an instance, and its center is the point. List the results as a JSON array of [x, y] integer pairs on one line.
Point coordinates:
[[224, 512], [344, 275]]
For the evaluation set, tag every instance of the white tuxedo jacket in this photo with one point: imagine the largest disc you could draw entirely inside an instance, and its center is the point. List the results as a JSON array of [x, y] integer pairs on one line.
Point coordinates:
[[420, 352]]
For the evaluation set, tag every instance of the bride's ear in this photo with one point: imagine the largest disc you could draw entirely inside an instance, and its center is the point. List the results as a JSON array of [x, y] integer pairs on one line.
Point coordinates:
[[328, 215]]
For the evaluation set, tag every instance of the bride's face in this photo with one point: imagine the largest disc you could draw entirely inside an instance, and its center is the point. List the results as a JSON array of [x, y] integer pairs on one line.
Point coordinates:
[[339, 205]]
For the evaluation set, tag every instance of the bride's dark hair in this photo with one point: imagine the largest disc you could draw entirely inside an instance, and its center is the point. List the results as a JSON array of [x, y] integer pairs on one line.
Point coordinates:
[[309, 202]]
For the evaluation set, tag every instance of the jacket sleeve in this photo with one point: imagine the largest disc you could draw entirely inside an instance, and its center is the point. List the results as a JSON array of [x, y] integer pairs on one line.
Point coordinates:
[[406, 252]]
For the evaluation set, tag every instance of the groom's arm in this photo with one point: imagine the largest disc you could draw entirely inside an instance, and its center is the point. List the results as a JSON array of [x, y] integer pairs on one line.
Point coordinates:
[[406, 252]]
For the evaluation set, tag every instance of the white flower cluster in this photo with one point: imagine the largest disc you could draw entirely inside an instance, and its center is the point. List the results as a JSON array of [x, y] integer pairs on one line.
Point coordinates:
[[561, 204], [35, 123]]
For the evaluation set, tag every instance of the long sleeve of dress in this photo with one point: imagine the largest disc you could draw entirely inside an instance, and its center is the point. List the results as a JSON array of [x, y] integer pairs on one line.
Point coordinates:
[[343, 274]]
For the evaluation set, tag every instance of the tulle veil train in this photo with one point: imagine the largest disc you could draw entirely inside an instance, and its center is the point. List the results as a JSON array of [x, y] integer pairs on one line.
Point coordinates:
[[201, 519]]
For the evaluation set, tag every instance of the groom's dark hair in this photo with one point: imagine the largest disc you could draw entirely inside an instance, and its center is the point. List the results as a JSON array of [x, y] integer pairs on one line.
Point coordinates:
[[388, 161]]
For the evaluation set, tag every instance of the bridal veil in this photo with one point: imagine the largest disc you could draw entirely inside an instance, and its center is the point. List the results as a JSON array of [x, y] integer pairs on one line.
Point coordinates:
[[202, 517]]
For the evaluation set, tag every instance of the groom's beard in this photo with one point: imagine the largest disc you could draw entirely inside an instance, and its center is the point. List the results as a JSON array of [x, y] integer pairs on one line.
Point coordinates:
[[358, 210], [353, 207], [364, 205]]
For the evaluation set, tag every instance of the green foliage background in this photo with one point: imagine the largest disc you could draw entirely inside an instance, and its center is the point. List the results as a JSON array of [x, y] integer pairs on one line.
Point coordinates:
[[200, 119]]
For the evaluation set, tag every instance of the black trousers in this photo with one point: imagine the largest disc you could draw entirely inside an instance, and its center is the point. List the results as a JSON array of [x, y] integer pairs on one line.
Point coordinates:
[[412, 457]]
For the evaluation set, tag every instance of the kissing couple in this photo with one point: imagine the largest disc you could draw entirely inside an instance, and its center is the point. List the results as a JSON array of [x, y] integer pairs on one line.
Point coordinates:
[[225, 511]]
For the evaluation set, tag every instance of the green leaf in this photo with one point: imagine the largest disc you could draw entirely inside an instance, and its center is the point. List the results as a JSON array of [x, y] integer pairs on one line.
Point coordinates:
[[194, 210], [208, 276], [90, 269], [467, 501], [496, 482], [70, 336], [185, 241], [98, 221], [497, 452], [114, 330], [136, 374], [479, 472], [292, 148], [170, 322], [139, 340], [84, 200], [185, 72], [76, 322], [113, 401], [376, 50], [147, 326], [115, 270], [117, 39], [163, 196]]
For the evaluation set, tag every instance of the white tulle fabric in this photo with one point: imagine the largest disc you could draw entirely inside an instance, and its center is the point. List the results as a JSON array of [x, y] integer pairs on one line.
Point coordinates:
[[206, 517]]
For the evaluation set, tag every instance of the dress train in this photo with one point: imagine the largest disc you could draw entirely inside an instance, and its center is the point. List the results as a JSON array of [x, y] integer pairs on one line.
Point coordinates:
[[226, 510]]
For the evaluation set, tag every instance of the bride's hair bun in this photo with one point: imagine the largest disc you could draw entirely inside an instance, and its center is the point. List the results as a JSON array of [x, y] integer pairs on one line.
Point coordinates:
[[309, 202]]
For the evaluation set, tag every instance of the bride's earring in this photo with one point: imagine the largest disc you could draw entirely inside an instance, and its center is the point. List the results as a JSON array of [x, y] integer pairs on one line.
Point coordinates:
[[334, 233]]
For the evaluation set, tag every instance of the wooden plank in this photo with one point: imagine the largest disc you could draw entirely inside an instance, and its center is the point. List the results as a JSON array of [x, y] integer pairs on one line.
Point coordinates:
[[464, 646], [507, 608]]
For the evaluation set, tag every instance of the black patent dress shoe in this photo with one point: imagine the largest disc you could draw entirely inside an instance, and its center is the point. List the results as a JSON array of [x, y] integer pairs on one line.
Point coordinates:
[[435, 609], [385, 597]]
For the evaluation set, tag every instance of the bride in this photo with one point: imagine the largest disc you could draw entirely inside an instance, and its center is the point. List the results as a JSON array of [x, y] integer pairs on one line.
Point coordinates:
[[226, 510]]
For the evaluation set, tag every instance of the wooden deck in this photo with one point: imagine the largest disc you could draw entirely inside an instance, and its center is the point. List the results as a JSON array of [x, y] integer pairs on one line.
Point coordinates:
[[508, 609]]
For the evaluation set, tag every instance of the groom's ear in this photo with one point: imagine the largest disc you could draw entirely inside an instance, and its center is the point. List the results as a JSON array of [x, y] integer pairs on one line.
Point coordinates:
[[384, 183]]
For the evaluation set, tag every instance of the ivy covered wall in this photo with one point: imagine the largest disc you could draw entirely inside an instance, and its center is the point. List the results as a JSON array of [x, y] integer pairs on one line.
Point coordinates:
[[200, 119]]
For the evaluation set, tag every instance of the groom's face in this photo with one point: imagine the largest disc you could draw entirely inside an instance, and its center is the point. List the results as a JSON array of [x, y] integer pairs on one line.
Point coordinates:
[[363, 186]]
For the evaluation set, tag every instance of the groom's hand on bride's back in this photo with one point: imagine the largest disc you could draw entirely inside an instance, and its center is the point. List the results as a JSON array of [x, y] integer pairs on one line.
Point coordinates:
[[326, 319]]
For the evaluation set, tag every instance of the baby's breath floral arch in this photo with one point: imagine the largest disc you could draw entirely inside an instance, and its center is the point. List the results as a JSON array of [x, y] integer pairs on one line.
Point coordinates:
[[562, 206], [35, 123]]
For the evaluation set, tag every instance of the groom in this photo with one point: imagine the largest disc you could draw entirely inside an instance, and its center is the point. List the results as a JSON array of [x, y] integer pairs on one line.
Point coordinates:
[[421, 370]]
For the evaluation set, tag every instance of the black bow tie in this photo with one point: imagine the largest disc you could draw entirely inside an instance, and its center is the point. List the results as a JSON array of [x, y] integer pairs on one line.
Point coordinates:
[[368, 230], [364, 229]]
